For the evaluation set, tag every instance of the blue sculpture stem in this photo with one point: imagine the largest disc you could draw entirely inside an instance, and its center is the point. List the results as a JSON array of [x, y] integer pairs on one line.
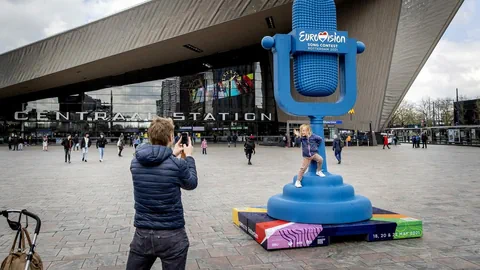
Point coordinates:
[[316, 122]]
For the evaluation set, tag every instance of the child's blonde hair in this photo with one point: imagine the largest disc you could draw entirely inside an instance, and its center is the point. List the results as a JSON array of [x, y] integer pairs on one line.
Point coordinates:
[[309, 129]]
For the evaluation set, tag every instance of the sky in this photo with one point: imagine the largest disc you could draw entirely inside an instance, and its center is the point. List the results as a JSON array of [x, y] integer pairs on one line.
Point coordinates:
[[27, 21], [455, 62]]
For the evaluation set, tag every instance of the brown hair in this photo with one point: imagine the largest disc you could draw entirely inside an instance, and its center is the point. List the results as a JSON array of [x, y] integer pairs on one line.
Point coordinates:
[[160, 131], [309, 129]]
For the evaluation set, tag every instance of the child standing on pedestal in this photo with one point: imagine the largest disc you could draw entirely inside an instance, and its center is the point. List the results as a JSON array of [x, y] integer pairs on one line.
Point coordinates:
[[310, 144]]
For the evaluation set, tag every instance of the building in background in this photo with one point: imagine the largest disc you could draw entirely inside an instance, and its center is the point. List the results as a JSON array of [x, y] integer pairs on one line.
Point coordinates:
[[207, 72], [466, 112]]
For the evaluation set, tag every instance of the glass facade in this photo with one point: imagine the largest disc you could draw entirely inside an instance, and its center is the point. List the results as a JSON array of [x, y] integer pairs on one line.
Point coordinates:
[[225, 100], [235, 99], [115, 110]]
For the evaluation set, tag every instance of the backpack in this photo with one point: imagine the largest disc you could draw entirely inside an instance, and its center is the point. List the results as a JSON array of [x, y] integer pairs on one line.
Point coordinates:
[[341, 144], [249, 145], [18, 260]]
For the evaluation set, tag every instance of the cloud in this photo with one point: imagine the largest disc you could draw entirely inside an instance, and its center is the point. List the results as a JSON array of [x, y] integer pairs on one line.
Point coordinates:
[[455, 62], [26, 21], [451, 65]]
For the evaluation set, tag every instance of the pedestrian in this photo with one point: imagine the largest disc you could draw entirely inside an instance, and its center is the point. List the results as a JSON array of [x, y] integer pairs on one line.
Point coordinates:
[[204, 146], [85, 144], [158, 176], [45, 143], [395, 139], [101, 142], [20, 143], [414, 143], [235, 138], [424, 140], [284, 139], [120, 144], [349, 139], [76, 143], [15, 142], [67, 147], [310, 144], [136, 142], [10, 141], [249, 148], [337, 148], [229, 140], [385, 141]]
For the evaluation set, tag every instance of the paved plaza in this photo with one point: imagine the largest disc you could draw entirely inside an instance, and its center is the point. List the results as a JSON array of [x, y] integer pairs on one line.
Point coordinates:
[[87, 208]]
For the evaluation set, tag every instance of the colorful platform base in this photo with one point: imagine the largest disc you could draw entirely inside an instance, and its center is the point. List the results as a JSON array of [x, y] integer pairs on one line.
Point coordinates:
[[274, 234]]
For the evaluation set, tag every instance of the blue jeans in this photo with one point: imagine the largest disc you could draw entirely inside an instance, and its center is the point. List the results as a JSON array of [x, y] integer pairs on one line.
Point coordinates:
[[338, 155], [84, 153], [101, 150]]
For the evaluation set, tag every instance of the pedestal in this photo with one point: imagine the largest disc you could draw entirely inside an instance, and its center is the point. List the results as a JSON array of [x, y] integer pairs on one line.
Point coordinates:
[[321, 200], [274, 234]]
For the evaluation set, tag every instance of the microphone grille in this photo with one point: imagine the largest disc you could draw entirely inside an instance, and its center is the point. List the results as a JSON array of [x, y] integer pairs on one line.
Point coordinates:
[[314, 14], [315, 74]]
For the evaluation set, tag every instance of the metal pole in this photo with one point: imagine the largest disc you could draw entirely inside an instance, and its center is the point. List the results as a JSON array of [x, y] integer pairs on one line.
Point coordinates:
[[316, 123], [358, 134], [371, 134], [433, 113]]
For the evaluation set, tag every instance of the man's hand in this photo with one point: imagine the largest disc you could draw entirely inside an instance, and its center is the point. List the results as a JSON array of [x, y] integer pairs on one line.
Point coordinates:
[[188, 149], [177, 150]]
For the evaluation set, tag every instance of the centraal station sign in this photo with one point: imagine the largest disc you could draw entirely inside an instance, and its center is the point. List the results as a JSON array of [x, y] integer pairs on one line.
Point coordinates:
[[178, 116]]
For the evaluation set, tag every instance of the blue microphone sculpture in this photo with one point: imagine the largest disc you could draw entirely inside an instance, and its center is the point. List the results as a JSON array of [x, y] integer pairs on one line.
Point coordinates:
[[315, 74], [320, 54]]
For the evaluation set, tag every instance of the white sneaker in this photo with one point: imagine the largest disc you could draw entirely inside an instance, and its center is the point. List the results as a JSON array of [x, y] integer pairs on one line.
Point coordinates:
[[321, 174], [298, 184]]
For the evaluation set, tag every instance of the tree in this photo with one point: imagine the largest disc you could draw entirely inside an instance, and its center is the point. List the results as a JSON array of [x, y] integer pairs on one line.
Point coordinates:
[[444, 113], [406, 114], [424, 110]]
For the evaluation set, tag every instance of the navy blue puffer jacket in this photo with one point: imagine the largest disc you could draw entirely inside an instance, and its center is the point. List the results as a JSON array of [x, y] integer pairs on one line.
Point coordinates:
[[157, 179], [310, 145]]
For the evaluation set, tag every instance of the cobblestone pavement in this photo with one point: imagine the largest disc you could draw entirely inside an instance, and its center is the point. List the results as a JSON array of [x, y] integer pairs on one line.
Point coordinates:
[[87, 208]]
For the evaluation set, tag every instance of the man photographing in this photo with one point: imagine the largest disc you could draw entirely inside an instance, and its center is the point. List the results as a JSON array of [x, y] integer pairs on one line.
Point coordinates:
[[158, 175]]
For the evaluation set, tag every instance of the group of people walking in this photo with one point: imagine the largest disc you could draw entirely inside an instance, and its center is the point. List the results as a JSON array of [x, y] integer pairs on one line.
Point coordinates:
[[17, 142], [85, 143], [417, 139], [233, 139]]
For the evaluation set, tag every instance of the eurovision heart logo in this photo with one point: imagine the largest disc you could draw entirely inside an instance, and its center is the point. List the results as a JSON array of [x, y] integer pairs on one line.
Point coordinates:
[[322, 36]]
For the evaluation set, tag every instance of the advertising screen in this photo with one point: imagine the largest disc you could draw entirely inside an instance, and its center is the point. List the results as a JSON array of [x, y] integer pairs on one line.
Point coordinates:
[[230, 87]]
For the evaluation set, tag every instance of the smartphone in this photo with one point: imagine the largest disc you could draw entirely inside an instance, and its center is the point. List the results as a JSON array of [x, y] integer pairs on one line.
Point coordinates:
[[184, 138]]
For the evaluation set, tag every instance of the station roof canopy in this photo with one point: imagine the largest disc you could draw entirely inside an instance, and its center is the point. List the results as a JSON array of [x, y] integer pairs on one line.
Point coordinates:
[[402, 33]]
